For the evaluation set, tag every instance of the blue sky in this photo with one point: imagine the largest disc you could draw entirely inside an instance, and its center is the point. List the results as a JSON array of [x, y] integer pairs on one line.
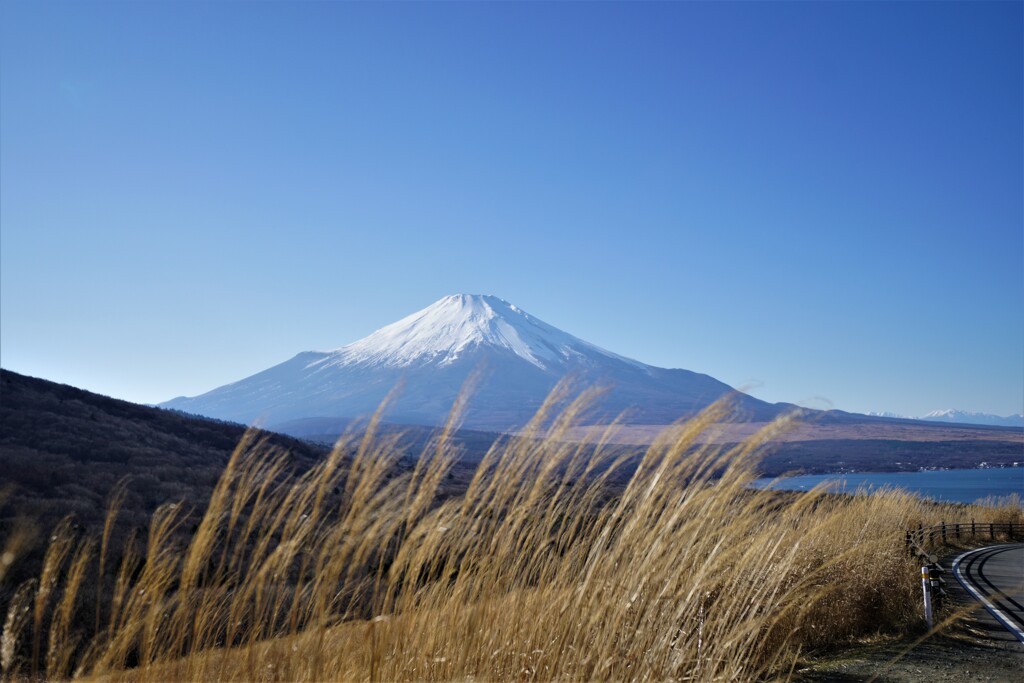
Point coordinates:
[[814, 201]]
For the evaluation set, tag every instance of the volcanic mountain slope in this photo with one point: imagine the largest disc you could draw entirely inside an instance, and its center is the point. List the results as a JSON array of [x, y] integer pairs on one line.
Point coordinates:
[[433, 352]]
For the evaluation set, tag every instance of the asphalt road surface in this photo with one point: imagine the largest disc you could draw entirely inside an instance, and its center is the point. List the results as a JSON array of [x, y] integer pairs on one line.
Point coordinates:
[[995, 577]]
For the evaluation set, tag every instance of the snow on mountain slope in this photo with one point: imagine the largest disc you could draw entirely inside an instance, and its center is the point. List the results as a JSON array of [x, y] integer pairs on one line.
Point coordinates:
[[966, 417], [959, 417], [433, 352], [444, 331]]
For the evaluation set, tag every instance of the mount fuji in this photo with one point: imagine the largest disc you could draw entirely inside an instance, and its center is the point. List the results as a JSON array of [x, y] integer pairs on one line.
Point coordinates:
[[434, 351]]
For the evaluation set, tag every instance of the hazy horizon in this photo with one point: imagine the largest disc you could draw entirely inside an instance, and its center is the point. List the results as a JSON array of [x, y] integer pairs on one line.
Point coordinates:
[[817, 203]]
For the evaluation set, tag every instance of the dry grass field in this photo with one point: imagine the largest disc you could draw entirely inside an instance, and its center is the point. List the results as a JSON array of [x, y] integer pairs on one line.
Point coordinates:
[[542, 569]]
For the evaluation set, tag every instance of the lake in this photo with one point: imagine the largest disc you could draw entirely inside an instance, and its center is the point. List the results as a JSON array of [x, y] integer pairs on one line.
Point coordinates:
[[954, 486]]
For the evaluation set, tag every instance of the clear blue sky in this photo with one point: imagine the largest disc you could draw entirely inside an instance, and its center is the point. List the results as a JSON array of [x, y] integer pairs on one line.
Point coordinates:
[[824, 199]]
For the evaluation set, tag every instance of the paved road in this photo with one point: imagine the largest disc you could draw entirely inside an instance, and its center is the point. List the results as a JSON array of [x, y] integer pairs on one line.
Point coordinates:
[[995, 577]]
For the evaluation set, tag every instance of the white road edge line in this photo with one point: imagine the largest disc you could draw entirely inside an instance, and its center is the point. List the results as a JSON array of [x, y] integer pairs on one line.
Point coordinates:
[[969, 587]]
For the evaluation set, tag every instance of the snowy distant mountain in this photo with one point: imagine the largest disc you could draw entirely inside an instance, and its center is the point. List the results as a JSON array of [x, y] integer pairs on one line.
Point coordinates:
[[434, 351], [964, 417], [960, 417], [886, 413]]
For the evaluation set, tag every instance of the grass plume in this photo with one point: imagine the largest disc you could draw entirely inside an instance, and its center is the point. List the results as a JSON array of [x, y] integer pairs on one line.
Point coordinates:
[[555, 561]]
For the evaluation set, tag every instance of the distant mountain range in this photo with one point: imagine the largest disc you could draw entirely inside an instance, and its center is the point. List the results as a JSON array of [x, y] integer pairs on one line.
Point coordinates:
[[433, 352], [962, 417]]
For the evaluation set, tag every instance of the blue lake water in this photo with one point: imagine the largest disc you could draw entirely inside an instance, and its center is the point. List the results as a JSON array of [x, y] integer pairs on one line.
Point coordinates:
[[954, 486]]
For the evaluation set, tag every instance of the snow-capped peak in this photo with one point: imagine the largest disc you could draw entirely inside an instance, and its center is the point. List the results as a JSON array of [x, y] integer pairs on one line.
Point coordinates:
[[948, 412], [887, 413], [443, 331], [969, 417], [962, 417]]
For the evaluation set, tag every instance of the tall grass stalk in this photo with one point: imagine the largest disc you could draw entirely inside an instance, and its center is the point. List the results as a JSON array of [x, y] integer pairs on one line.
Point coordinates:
[[556, 561]]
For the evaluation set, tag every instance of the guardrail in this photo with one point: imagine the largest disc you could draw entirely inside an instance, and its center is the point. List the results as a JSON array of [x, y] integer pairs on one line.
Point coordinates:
[[919, 540]]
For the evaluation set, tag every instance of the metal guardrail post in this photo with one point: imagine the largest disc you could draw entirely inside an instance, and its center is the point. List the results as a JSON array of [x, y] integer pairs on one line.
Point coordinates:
[[926, 590], [937, 584]]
